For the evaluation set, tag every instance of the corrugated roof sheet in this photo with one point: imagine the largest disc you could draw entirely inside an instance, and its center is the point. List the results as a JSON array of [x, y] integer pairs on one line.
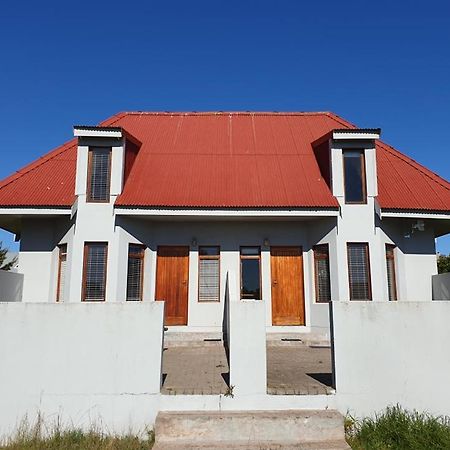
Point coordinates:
[[227, 160]]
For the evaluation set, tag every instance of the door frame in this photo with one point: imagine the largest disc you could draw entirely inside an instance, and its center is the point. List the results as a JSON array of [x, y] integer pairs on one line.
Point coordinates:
[[302, 286]]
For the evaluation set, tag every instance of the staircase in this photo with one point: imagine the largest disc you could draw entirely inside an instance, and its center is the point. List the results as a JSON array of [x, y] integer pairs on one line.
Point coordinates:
[[250, 430]]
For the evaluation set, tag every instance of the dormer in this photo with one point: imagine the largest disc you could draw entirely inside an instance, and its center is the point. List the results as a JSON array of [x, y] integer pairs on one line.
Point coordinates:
[[104, 160], [347, 160]]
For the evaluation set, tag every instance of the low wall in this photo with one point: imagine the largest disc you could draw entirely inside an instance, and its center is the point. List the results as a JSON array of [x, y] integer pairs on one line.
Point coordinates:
[[86, 363], [441, 286], [391, 352], [11, 286]]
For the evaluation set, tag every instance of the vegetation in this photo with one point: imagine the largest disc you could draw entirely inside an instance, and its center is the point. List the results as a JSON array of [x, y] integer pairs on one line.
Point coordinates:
[[3, 254], [443, 263], [38, 437], [396, 428]]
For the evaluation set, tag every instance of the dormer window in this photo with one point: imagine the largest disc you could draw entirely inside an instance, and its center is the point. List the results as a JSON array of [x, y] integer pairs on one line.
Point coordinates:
[[355, 176], [99, 174]]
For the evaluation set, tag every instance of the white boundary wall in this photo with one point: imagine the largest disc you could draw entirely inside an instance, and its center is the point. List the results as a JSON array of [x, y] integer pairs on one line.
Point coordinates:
[[86, 363], [389, 353], [441, 286], [11, 286]]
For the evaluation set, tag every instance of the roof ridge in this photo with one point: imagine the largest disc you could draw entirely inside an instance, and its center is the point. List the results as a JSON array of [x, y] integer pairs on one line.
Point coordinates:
[[37, 163], [215, 113], [51, 154], [413, 163]]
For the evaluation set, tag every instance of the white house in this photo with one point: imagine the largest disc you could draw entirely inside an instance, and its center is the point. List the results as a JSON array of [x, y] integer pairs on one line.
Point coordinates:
[[305, 207]]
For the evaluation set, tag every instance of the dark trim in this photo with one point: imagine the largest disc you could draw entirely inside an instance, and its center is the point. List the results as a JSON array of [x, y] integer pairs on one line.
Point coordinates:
[[83, 287], [91, 150], [140, 256], [357, 130], [316, 278], [62, 248], [258, 257], [362, 160], [391, 248], [94, 127]]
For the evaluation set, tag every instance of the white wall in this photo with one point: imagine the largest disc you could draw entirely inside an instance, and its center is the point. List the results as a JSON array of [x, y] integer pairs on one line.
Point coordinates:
[[88, 363], [441, 286], [11, 286], [391, 352]]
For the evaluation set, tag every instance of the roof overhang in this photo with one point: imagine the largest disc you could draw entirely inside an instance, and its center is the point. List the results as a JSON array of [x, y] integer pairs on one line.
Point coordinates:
[[241, 213], [356, 133], [92, 131]]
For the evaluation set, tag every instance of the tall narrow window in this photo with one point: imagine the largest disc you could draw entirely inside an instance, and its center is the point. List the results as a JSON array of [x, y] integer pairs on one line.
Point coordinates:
[[208, 274], [62, 265], [94, 277], [99, 174], [135, 276], [322, 273], [390, 266], [359, 271], [251, 273], [354, 176]]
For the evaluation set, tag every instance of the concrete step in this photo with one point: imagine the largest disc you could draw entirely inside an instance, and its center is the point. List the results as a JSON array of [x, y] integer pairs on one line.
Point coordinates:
[[301, 429]]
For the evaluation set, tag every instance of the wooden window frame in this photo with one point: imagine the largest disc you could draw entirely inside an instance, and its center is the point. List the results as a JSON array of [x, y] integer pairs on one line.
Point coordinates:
[[391, 247], [91, 150], [62, 248], [200, 257], [85, 251], [141, 256], [258, 257], [362, 159], [316, 275], [369, 277]]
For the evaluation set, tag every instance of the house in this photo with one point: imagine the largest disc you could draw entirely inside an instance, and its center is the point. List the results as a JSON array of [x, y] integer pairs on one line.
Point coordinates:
[[305, 207]]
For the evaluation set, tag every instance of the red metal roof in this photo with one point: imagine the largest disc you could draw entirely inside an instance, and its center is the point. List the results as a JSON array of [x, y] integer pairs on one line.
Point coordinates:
[[227, 160]]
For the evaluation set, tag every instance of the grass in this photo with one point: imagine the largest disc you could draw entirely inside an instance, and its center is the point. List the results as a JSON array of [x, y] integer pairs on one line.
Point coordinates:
[[39, 437], [397, 428]]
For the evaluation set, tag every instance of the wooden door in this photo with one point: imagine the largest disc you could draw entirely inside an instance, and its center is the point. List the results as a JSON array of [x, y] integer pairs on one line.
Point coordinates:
[[172, 276], [288, 303]]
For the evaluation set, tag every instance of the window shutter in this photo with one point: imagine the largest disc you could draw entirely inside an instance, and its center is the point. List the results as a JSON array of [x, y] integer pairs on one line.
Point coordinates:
[[99, 174], [209, 280], [358, 271], [322, 271], [135, 272], [95, 271], [390, 266], [62, 272]]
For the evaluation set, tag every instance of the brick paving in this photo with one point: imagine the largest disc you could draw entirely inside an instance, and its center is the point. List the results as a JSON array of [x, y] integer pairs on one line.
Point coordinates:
[[292, 370]]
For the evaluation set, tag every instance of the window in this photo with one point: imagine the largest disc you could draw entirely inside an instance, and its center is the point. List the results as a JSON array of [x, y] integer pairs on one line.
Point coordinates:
[[359, 271], [354, 176], [135, 277], [209, 274], [251, 273], [99, 174], [322, 273], [390, 266], [62, 267], [94, 276]]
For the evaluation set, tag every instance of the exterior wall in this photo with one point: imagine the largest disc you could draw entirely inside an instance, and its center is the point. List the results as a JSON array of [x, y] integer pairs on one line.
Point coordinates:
[[11, 286], [89, 364], [441, 286], [381, 357]]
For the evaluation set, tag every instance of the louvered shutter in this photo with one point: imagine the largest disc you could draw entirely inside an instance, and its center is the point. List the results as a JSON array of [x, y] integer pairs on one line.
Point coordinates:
[[99, 174], [390, 267], [209, 274], [62, 272], [135, 273], [322, 271], [358, 271], [95, 271]]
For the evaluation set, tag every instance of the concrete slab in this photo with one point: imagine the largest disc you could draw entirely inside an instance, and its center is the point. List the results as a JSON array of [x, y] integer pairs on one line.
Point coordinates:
[[291, 370]]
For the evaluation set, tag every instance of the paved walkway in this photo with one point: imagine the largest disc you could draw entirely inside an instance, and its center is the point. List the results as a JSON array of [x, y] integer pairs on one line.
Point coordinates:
[[294, 369]]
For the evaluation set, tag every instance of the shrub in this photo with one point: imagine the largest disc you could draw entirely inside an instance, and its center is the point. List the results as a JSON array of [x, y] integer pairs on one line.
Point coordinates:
[[397, 428], [39, 437]]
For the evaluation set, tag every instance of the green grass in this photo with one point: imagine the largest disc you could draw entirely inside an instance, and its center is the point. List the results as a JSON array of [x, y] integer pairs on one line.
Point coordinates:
[[396, 428], [39, 437]]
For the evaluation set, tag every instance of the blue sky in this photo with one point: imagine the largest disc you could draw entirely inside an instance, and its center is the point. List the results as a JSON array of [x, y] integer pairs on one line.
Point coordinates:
[[381, 63]]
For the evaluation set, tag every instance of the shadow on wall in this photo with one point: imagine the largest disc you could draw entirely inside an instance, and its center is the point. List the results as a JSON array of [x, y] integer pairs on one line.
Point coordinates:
[[11, 286]]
